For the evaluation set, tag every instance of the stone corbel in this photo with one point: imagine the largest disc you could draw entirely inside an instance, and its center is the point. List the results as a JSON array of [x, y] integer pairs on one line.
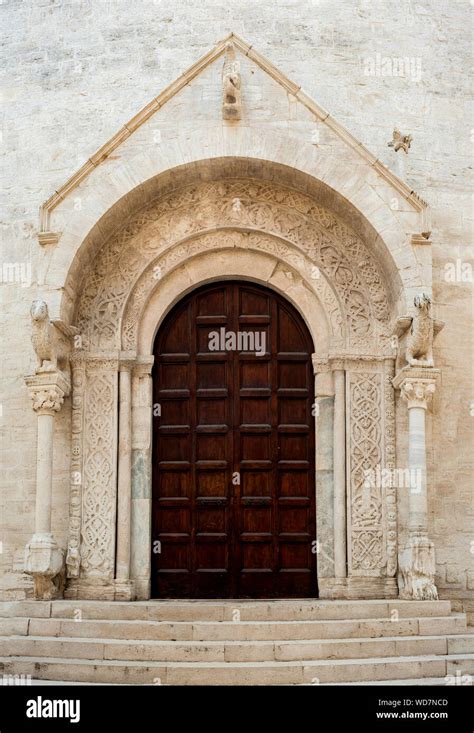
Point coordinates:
[[44, 559], [48, 238]]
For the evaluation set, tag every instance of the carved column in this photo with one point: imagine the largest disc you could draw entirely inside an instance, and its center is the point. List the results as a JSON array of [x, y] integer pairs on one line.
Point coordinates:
[[323, 414], [340, 522], [123, 586], [73, 557], [44, 560], [142, 411], [417, 558]]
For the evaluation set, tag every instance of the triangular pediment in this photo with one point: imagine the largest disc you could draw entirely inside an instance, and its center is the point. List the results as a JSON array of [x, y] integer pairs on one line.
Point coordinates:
[[297, 95]]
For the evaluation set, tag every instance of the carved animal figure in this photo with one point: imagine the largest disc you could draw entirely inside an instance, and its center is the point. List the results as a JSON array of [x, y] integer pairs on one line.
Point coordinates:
[[420, 338], [417, 571], [231, 96], [400, 142], [50, 339], [423, 329]]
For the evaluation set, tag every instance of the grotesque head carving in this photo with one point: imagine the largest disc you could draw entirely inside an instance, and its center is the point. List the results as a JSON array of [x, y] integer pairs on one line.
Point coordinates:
[[422, 301], [39, 310]]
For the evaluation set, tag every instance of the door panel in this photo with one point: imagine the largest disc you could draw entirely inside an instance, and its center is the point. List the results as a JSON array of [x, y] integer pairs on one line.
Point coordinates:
[[233, 448]]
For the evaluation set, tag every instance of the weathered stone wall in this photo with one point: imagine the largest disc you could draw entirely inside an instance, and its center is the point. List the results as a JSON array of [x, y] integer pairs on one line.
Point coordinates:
[[76, 71]]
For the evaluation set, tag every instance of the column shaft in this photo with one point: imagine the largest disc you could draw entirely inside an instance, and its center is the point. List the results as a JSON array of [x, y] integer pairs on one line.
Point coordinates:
[[44, 560], [340, 542], [44, 473], [417, 562], [124, 477], [418, 504]]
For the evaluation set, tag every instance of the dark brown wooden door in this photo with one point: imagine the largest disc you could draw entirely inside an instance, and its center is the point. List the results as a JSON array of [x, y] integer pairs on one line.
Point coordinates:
[[233, 448]]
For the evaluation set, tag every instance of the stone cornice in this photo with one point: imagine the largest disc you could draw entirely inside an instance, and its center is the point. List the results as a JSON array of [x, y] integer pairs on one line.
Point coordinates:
[[45, 238], [421, 240]]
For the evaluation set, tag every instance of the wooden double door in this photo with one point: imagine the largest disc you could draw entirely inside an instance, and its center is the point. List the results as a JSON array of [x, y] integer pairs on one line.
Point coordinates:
[[233, 448]]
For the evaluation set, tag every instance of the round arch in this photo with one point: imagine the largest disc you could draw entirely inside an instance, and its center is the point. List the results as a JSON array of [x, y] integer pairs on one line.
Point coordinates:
[[153, 298], [382, 230], [221, 225]]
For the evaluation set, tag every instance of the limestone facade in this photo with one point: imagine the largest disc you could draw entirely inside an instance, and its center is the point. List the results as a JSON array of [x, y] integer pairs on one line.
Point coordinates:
[[276, 191]]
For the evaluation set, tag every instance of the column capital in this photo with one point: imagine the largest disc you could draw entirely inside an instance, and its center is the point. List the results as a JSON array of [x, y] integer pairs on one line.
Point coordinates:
[[337, 364], [127, 361], [320, 364], [47, 391], [417, 385], [143, 366]]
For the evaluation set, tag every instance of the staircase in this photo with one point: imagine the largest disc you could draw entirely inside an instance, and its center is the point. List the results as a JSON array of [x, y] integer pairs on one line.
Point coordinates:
[[236, 642]]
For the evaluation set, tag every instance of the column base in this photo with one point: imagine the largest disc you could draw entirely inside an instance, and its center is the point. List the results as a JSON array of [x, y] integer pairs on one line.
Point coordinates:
[[124, 590], [142, 589], [44, 560], [417, 570], [98, 589], [358, 588], [89, 589]]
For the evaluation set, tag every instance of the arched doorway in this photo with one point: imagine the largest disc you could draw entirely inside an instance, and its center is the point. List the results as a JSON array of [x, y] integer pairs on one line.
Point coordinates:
[[234, 510]]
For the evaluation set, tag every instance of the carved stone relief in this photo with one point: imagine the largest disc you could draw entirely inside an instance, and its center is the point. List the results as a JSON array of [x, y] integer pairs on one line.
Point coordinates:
[[365, 453], [390, 493], [99, 470], [231, 83], [286, 213], [214, 240], [75, 493], [298, 234]]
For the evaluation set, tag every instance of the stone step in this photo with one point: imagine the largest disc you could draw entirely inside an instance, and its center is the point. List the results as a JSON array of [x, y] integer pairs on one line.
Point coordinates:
[[234, 631], [421, 681], [234, 651], [238, 673], [249, 610]]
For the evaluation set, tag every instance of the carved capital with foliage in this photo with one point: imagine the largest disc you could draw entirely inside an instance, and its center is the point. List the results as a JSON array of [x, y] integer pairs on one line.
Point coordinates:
[[47, 392], [417, 386]]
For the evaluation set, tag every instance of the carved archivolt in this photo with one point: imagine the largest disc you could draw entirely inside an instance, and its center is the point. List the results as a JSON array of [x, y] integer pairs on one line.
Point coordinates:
[[237, 204], [303, 238], [174, 257]]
